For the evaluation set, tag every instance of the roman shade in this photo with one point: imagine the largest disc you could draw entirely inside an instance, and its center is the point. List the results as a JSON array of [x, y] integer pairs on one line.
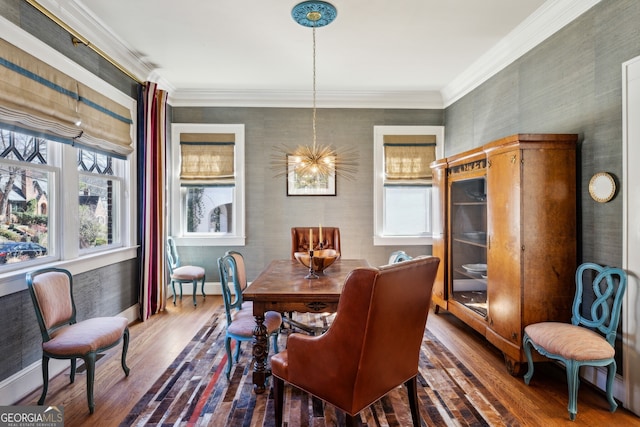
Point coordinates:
[[207, 157], [407, 157], [40, 100]]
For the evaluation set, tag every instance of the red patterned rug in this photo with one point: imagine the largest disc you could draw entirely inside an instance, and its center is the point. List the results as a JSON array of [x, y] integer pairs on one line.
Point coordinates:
[[194, 391]]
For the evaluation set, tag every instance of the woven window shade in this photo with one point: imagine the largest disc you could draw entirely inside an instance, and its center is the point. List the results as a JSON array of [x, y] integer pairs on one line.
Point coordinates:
[[207, 157], [37, 97], [407, 157]]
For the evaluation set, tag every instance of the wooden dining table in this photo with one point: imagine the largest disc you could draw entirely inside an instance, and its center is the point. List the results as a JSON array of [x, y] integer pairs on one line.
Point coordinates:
[[282, 287]]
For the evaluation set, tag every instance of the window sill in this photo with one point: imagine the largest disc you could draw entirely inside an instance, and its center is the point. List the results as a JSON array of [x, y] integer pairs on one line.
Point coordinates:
[[402, 240], [210, 240]]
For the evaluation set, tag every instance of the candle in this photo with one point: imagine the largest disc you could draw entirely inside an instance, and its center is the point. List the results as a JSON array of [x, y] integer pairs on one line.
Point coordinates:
[[320, 238], [311, 239]]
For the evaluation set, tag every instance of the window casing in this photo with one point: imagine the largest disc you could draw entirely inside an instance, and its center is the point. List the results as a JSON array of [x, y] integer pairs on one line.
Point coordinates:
[[402, 191], [207, 184]]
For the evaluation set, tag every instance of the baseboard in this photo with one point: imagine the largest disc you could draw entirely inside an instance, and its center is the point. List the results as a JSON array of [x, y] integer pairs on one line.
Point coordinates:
[[29, 379], [210, 288]]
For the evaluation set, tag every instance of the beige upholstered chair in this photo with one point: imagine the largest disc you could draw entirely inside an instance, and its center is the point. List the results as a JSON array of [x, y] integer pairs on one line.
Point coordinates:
[[372, 346], [240, 320], [183, 273], [63, 337], [589, 339]]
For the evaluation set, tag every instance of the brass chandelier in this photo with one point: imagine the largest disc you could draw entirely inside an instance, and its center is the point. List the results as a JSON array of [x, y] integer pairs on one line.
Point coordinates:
[[318, 160]]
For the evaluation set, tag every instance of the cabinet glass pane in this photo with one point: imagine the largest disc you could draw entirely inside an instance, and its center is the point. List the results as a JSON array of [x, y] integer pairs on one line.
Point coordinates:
[[469, 243]]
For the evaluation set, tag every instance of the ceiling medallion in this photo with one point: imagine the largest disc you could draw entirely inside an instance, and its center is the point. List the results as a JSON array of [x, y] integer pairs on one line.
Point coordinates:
[[314, 13]]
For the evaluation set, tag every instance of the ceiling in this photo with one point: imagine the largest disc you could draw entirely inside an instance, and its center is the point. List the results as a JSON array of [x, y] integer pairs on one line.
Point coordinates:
[[396, 54]]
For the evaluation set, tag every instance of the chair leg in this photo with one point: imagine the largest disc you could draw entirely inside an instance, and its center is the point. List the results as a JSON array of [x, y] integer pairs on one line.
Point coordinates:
[[45, 379], [574, 383], [202, 288], [526, 345], [412, 391], [611, 374], [125, 348], [275, 342], [352, 420], [90, 363], [195, 290], [227, 346], [173, 287], [278, 399], [72, 376]]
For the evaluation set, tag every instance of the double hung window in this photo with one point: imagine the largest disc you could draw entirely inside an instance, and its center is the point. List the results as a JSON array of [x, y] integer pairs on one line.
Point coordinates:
[[402, 192], [208, 184]]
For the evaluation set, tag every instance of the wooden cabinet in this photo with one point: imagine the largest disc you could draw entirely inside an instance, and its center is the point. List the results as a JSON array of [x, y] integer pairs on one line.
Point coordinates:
[[508, 237]]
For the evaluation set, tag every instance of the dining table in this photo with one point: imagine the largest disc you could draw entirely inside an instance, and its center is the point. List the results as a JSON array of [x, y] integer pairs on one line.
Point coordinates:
[[283, 287]]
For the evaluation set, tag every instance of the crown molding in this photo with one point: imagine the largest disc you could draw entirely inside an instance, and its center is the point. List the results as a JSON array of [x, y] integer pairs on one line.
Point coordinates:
[[546, 21], [304, 99]]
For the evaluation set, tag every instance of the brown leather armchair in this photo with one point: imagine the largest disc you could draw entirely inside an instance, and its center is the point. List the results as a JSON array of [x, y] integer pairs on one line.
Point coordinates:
[[300, 239], [372, 346]]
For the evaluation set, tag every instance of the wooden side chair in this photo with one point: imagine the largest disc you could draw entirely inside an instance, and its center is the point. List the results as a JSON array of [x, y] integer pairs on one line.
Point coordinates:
[[183, 273], [240, 320], [63, 337], [372, 346], [589, 338]]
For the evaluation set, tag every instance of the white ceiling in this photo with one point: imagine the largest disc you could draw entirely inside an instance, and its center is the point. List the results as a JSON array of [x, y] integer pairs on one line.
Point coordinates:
[[402, 53]]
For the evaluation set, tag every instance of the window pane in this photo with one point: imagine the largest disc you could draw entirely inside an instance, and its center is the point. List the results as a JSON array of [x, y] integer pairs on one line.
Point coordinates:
[[209, 209], [407, 210], [24, 212], [98, 211]]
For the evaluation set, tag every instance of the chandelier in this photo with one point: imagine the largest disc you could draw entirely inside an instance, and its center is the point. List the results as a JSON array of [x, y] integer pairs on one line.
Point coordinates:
[[316, 160]]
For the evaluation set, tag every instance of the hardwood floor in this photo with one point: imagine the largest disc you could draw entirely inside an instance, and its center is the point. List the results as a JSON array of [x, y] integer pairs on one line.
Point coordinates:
[[156, 342]]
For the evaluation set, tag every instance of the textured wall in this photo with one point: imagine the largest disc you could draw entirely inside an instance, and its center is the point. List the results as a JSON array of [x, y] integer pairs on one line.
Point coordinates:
[[270, 213], [571, 83]]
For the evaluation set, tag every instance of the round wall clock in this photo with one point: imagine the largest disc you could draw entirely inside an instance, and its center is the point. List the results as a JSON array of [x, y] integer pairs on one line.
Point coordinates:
[[602, 187]]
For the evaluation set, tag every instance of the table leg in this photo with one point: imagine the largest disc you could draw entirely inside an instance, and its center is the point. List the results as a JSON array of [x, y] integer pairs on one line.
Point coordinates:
[[260, 353]]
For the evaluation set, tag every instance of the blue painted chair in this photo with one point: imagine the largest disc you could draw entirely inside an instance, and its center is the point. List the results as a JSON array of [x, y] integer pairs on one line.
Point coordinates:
[[589, 339], [240, 320], [398, 256], [63, 337], [183, 273]]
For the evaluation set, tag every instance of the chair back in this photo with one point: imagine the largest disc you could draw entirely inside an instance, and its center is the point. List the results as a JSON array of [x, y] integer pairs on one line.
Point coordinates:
[[173, 259], [51, 291], [598, 300], [398, 256], [300, 239], [233, 280], [373, 344]]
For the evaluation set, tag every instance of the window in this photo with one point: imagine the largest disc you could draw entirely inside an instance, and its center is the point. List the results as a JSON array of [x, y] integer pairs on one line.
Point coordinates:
[[98, 201], [402, 183], [25, 181], [207, 199]]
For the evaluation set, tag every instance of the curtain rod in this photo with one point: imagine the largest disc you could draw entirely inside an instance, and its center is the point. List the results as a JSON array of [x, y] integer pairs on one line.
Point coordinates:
[[78, 38]]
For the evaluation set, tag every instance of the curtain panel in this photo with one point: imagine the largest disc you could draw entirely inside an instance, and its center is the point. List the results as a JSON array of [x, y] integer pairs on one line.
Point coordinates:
[[152, 164], [40, 100]]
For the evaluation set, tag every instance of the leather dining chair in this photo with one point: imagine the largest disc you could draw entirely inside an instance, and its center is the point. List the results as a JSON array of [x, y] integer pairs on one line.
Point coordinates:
[[589, 339], [183, 273], [372, 346], [240, 320], [300, 239], [63, 337]]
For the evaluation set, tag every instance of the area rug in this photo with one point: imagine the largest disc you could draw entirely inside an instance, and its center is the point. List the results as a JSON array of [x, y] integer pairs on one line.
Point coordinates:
[[194, 391]]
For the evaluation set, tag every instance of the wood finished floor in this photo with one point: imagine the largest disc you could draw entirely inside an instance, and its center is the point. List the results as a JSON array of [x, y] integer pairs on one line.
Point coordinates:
[[156, 342]]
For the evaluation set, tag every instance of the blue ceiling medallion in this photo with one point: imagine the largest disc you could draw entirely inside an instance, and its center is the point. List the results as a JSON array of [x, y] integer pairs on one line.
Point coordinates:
[[314, 13]]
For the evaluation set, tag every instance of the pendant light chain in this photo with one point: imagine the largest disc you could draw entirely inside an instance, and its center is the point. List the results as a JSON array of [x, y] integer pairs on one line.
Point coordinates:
[[314, 89]]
